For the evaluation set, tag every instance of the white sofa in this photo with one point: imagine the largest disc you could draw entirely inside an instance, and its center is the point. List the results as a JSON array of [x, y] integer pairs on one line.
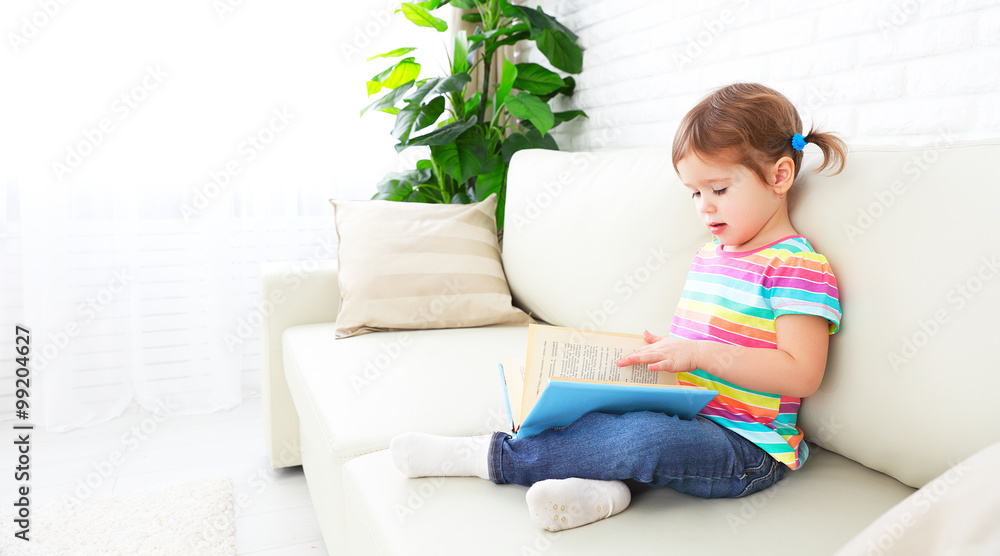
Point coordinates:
[[604, 240]]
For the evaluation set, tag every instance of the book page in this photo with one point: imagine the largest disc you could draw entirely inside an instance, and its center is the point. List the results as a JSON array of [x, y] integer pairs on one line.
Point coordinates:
[[583, 354], [513, 374]]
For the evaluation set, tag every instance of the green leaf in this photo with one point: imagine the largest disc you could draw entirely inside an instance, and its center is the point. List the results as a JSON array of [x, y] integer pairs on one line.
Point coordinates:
[[555, 25], [539, 20], [528, 140], [565, 90], [560, 50], [533, 109], [393, 53], [512, 144], [421, 17], [507, 79], [441, 135], [429, 114], [510, 10], [566, 116], [452, 84], [464, 4], [472, 103], [404, 122], [515, 29], [440, 85], [389, 100], [570, 85], [569, 88], [491, 177], [426, 195], [461, 198], [472, 18], [463, 158], [501, 203], [382, 75], [405, 71], [537, 79], [397, 186], [460, 63], [395, 75], [416, 117], [492, 46]]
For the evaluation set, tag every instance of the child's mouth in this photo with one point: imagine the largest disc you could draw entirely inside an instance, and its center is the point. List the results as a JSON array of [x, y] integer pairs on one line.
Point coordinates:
[[717, 228]]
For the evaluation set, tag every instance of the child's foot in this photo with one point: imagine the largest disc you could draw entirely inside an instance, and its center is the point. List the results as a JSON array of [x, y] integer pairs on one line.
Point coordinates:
[[417, 454], [558, 504]]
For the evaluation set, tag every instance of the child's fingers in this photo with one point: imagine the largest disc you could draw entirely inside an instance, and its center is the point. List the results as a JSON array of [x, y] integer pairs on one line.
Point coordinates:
[[626, 361], [638, 357]]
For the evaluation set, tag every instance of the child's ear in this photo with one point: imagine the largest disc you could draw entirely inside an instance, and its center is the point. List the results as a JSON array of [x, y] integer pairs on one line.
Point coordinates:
[[783, 174]]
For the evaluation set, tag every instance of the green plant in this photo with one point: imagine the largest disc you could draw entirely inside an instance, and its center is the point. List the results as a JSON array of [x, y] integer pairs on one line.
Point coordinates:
[[473, 134]]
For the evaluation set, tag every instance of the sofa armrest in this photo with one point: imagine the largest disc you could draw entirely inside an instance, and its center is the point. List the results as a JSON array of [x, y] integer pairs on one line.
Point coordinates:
[[955, 513], [292, 293]]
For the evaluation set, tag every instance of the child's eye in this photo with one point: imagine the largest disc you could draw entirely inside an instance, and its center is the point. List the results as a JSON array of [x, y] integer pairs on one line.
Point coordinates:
[[695, 194], [720, 191]]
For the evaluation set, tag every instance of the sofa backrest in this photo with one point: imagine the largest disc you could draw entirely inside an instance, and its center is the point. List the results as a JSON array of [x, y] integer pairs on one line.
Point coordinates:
[[598, 240], [603, 241]]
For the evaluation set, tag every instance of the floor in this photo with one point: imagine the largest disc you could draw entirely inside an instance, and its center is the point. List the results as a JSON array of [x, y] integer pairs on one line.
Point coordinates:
[[274, 515]]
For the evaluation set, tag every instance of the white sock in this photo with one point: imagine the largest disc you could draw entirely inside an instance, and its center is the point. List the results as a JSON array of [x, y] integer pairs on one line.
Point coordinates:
[[417, 454], [558, 504]]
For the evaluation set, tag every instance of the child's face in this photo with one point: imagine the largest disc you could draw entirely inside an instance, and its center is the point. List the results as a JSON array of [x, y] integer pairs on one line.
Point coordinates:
[[740, 210]]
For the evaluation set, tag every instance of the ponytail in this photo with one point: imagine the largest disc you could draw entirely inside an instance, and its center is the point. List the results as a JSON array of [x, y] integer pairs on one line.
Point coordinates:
[[834, 150]]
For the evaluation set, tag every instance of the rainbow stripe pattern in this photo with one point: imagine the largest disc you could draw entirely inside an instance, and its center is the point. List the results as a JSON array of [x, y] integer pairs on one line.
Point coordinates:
[[735, 298]]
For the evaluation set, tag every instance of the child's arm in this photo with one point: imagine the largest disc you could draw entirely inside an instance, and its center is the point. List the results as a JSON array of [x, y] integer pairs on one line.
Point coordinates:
[[795, 368]]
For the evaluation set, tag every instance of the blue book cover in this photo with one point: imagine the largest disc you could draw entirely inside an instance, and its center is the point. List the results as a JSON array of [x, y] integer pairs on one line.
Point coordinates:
[[565, 400], [570, 372]]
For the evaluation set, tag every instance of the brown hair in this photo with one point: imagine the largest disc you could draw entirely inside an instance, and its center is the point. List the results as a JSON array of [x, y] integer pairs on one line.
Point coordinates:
[[753, 125]]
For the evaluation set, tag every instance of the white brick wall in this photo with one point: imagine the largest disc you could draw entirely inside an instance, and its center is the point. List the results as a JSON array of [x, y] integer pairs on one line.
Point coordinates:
[[876, 71]]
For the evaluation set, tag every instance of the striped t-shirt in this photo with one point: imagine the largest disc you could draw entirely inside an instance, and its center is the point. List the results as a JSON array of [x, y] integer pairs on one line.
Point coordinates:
[[734, 298]]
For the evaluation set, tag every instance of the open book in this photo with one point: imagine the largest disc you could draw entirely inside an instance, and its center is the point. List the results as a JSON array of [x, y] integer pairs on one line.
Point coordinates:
[[570, 372]]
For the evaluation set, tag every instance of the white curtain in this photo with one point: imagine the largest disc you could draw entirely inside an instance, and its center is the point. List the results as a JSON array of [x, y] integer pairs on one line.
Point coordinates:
[[151, 156], [128, 304], [125, 306]]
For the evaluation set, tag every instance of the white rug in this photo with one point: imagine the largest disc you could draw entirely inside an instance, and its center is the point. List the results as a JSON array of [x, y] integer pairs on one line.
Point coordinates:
[[187, 518]]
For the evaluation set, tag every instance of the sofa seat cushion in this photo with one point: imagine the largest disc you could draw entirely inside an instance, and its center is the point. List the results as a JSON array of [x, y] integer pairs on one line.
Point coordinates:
[[814, 510], [364, 390]]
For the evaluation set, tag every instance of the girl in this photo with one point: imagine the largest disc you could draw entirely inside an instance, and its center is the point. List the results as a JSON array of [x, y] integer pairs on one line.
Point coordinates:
[[753, 323]]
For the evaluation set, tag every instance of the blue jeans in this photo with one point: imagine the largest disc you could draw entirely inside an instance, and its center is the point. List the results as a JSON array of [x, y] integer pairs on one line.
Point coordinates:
[[694, 456]]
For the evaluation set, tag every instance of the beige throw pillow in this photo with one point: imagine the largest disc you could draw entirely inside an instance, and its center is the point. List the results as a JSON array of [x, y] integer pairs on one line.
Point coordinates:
[[405, 266]]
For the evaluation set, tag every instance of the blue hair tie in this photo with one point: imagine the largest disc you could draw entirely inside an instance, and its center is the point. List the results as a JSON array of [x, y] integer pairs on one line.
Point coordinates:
[[798, 142]]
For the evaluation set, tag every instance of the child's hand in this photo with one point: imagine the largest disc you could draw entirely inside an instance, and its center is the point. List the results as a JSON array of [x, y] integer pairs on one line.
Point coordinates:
[[663, 353]]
